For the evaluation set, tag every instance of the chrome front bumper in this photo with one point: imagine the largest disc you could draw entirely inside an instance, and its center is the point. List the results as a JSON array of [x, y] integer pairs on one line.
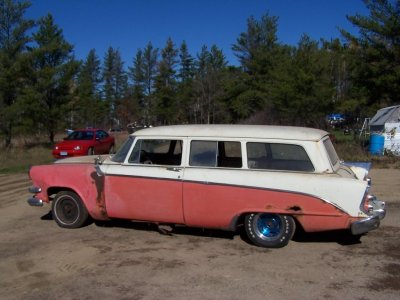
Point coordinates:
[[372, 222]]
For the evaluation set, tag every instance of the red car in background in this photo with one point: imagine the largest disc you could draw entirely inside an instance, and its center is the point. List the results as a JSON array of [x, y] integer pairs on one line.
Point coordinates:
[[85, 142]]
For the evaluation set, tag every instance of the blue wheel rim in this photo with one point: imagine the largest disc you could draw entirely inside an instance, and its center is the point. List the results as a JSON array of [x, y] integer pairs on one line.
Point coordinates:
[[268, 226]]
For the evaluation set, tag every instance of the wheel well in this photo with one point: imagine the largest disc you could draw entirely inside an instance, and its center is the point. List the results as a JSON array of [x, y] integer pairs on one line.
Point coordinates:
[[237, 221], [51, 192]]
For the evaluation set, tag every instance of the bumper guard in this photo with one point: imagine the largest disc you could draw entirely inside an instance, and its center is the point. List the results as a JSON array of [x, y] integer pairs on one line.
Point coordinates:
[[372, 222], [33, 201]]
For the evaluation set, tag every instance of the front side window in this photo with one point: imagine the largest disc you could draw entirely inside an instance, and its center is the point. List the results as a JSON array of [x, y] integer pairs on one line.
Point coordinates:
[[119, 157], [224, 154], [157, 151], [271, 156]]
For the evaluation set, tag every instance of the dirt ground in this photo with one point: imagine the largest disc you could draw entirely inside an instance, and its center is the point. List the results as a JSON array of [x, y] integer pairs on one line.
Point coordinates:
[[125, 260]]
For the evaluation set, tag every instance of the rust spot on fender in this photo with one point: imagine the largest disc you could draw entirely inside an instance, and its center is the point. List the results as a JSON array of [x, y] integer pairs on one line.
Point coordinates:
[[100, 200], [294, 208]]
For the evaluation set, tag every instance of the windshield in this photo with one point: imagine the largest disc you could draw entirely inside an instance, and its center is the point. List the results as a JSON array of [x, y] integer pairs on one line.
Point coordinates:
[[119, 157], [80, 135], [333, 157]]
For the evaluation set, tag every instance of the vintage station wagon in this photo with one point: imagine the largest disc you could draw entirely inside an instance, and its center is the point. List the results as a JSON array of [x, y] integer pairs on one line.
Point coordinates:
[[271, 179]]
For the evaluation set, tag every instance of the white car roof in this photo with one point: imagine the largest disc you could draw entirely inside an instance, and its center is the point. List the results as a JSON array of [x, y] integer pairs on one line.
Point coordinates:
[[235, 131]]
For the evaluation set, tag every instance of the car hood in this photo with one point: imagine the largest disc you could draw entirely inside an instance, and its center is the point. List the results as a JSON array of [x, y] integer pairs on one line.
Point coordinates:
[[81, 159]]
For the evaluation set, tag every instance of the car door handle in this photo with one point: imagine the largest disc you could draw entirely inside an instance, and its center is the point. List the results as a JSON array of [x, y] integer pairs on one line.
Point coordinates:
[[174, 169]]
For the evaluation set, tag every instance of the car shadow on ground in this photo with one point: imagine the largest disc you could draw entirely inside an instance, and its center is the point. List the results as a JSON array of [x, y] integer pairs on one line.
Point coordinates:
[[341, 237]]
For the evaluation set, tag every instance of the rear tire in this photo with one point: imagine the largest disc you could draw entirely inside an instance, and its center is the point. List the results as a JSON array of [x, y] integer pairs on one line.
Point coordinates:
[[269, 230], [68, 210]]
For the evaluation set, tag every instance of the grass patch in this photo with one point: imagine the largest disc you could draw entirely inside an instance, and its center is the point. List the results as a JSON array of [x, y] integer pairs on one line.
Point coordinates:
[[19, 159]]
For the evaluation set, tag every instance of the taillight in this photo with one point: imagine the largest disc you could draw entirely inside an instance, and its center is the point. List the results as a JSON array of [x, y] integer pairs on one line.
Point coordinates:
[[366, 205]]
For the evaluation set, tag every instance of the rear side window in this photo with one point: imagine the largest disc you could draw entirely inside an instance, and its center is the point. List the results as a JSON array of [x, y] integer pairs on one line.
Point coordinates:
[[223, 154], [271, 156]]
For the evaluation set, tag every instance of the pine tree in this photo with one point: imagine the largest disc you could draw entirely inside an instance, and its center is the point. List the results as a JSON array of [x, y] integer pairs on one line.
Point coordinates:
[[150, 58], [55, 68], [210, 67], [166, 84], [89, 102], [136, 73], [376, 53], [260, 56], [257, 44], [13, 60], [185, 97], [115, 83], [186, 70]]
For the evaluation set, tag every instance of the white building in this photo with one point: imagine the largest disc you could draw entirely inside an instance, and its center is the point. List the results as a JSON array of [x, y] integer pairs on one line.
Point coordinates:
[[387, 122]]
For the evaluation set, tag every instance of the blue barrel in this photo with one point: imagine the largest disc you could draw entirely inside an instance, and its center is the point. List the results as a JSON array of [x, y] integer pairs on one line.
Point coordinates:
[[376, 144]]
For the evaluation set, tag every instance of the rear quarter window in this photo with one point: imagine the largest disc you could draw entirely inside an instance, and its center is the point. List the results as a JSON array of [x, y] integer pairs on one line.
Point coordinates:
[[333, 157], [275, 156]]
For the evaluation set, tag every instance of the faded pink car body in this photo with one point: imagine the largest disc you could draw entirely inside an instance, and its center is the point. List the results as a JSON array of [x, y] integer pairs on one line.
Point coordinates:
[[180, 202]]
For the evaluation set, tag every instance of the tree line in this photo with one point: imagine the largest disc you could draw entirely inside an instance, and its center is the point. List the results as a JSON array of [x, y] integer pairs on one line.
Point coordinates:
[[43, 88]]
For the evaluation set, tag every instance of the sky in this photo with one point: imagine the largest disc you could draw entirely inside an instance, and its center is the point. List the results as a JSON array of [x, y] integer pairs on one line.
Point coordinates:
[[128, 25]]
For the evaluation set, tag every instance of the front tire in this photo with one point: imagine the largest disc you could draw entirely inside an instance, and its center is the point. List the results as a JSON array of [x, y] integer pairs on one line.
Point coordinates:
[[68, 210], [269, 230]]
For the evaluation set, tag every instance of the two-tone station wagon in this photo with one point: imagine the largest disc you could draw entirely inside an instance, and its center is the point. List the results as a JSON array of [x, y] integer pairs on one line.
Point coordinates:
[[271, 179]]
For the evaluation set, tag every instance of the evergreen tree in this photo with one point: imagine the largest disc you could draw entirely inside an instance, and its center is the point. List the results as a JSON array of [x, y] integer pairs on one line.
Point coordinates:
[[312, 91], [108, 78], [186, 70], [150, 57], [89, 104], [115, 83], [185, 95], [55, 68], [256, 45], [376, 53], [166, 84], [137, 75], [13, 60], [208, 87], [260, 56]]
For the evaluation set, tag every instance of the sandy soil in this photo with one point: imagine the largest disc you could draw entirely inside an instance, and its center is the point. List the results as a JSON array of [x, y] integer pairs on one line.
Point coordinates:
[[125, 260]]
